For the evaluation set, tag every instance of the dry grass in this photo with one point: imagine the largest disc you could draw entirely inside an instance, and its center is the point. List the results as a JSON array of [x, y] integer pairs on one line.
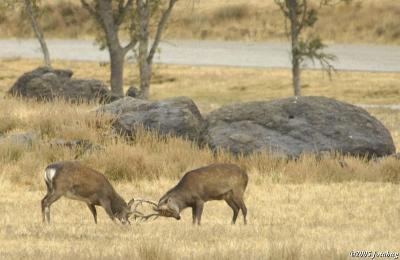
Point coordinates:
[[211, 87], [151, 158], [308, 209], [256, 20], [308, 221], [360, 21]]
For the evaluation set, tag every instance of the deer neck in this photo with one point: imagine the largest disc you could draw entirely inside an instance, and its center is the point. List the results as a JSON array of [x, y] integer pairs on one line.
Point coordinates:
[[118, 204], [180, 199]]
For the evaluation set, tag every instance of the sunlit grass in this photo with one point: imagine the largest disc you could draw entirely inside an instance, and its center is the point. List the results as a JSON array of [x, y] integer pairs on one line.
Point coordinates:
[[211, 87], [367, 21], [307, 221], [311, 208]]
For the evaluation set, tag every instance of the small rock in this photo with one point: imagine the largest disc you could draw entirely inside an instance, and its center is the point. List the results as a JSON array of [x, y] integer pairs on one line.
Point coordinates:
[[81, 145], [24, 139], [132, 92], [86, 144]]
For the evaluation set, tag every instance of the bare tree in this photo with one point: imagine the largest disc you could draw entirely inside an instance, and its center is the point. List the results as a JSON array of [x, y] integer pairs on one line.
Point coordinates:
[[137, 17], [110, 15], [31, 9], [146, 55], [300, 15]]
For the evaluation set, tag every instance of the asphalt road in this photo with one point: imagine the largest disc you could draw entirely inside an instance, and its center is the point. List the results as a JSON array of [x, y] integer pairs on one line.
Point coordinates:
[[375, 58]]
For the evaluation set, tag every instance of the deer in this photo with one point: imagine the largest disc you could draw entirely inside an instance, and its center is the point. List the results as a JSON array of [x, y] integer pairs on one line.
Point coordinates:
[[73, 180], [213, 182]]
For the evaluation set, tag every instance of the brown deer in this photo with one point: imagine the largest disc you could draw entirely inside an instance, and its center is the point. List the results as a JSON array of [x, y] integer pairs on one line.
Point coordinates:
[[214, 182], [76, 181]]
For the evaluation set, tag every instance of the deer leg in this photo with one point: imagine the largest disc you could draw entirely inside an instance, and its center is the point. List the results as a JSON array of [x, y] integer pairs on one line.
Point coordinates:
[[93, 210], [49, 191], [234, 208], [46, 203], [43, 207], [194, 214], [107, 206], [199, 211], [242, 206]]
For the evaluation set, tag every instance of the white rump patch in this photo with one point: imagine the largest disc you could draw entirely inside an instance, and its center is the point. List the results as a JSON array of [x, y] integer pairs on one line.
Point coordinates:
[[49, 174]]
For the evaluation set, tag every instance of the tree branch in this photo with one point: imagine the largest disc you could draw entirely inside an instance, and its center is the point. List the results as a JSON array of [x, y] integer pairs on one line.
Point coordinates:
[[160, 29], [282, 7], [130, 45], [303, 18], [122, 11], [94, 13]]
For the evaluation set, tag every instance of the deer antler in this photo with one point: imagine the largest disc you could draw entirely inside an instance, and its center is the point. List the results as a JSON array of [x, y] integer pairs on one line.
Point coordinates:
[[138, 214], [141, 201], [147, 217]]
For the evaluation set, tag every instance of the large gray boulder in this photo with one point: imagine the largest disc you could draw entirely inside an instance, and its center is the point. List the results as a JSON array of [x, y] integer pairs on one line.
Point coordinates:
[[177, 116], [293, 126], [47, 84]]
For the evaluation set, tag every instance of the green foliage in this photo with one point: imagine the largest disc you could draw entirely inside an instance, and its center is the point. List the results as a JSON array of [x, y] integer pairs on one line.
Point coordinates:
[[312, 49], [311, 17], [300, 15]]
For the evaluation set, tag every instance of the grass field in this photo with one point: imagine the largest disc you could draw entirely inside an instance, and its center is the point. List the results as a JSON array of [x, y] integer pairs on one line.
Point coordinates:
[[368, 21], [211, 87], [307, 221], [304, 209]]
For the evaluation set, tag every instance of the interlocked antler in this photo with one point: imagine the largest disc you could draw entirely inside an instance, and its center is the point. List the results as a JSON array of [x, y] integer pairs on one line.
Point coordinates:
[[138, 214], [147, 217]]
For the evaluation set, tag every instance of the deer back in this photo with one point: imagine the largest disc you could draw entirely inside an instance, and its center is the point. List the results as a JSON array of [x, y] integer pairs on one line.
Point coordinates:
[[77, 181]]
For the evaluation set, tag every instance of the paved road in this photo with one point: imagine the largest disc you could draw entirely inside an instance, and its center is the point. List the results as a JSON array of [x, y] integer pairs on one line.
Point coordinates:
[[370, 106], [378, 58]]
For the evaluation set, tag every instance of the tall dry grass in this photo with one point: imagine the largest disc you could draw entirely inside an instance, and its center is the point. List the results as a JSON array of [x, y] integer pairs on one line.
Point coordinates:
[[311, 208], [257, 20], [151, 157], [307, 221], [211, 87]]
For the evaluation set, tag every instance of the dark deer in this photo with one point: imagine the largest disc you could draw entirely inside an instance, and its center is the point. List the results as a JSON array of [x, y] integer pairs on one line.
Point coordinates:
[[76, 181], [214, 182]]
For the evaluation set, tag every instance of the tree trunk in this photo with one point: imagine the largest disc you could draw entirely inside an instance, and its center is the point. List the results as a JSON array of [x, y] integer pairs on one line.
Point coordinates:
[[38, 32], [145, 77], [143, 36], [144, 64], [294, 29], [145, 55], [296, 77], [117, 72], [116, 51]]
